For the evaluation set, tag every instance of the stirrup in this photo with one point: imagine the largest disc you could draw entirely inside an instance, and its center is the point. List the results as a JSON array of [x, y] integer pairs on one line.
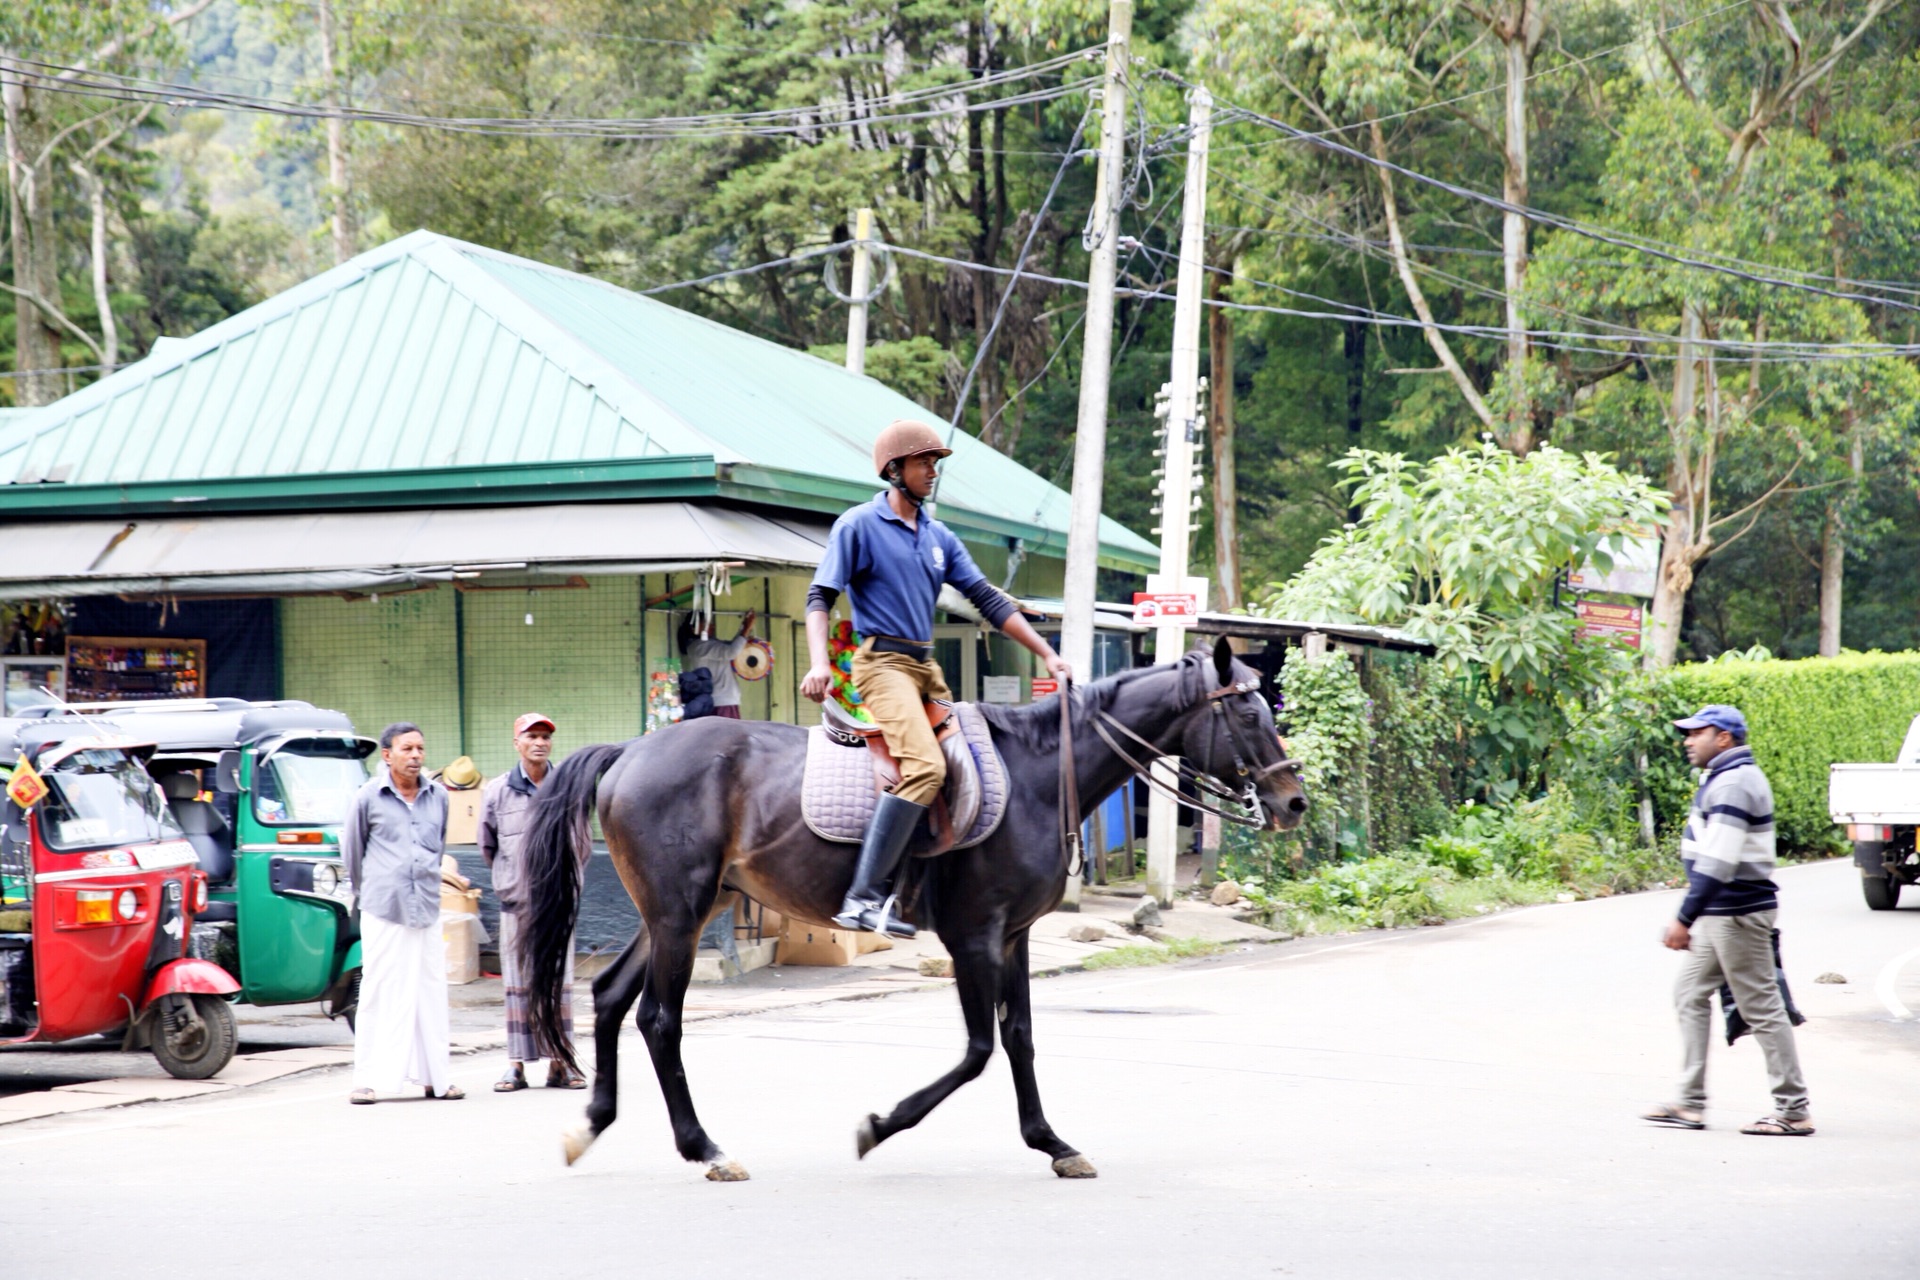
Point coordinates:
[[883, 920]]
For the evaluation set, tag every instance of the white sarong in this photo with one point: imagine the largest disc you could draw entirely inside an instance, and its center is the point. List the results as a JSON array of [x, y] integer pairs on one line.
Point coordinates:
[[400, 1032]]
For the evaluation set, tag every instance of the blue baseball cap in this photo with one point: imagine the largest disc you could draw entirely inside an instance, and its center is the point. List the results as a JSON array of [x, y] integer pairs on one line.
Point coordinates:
[[1715, 716]]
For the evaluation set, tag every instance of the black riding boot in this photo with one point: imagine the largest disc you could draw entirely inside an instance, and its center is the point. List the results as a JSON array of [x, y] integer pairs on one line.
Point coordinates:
[[868, 908]]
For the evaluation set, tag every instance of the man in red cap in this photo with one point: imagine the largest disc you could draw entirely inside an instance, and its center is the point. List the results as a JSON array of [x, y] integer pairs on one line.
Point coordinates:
[[892, 558], [505, 806]]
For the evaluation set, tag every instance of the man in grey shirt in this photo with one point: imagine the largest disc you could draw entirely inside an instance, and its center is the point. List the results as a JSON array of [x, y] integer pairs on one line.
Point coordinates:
[[717, 657], [391, 844]]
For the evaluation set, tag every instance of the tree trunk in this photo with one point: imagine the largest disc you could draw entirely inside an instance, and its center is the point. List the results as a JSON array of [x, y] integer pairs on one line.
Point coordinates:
[[1680, 544], [1833, 553], [36, 261], [339, 175], [97, 245], [1220, 432], [1415, 294], [1521, 39]]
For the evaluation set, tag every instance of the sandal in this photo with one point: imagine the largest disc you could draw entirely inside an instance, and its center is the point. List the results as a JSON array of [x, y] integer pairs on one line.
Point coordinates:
[[453, 1093], [558, 1077], [362, 1098], [515, 1079], [1675, 1117], [1779, 1127]]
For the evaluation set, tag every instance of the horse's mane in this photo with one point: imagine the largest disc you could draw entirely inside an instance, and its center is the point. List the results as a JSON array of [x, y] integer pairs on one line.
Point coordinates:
[[1036, 725]]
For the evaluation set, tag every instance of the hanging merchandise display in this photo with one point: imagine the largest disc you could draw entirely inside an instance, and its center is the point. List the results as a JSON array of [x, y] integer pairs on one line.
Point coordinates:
[[663, 700], [842, 641], [755, 661]]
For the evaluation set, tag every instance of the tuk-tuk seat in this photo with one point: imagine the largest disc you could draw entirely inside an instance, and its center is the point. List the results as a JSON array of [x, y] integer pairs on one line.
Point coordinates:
[[205, 829]]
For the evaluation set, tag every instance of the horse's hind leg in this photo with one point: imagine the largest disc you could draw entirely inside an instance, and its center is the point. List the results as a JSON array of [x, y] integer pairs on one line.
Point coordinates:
[[976, 971], [1016, 1034], [659, 1020], [614, 990]]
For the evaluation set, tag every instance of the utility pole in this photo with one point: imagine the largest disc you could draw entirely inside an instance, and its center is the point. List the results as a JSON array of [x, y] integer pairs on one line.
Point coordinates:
[[862, 282], [339, 177], [1178, 492], [1090, 432]]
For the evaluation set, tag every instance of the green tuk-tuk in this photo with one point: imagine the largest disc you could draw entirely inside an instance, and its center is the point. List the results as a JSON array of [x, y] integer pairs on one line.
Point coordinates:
[[261, 790]]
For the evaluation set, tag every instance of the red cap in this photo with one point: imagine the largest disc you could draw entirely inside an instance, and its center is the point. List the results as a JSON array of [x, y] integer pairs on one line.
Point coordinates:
[[530, 720]]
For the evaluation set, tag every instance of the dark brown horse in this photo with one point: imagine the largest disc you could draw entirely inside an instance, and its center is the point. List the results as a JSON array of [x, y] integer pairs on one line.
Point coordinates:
[[715, 804]]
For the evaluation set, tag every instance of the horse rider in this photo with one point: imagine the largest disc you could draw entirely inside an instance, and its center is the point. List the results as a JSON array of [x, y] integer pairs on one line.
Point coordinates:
[[891, 559]]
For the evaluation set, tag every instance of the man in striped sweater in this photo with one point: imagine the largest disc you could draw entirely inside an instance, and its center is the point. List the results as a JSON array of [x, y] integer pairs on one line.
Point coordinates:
[[1725, 924]]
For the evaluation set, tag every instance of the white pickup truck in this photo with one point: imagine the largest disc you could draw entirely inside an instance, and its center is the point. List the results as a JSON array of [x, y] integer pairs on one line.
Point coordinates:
[[1880, 805]]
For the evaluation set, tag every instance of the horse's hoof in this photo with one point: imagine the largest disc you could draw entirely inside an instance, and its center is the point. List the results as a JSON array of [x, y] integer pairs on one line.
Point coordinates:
[[726, 1171], [575, 1141], [1075, 1167], [866, 1137]]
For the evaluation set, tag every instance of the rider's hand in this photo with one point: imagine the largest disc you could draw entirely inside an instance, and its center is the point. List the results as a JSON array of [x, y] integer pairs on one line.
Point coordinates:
[[1059, 668], [817, 683]]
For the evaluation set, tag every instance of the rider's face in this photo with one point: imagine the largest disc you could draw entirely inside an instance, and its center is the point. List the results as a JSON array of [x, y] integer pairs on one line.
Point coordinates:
[[919, 473]]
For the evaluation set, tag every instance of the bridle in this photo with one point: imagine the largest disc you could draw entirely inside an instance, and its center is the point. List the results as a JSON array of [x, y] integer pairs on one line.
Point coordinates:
[[1207, 780]]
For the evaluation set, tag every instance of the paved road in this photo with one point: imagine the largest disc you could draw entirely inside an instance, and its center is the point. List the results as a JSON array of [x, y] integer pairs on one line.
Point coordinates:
[[1431, 1103]]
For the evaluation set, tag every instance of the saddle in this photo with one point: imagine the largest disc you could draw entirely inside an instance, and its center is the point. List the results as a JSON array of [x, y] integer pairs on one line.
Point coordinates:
[[841, 787]]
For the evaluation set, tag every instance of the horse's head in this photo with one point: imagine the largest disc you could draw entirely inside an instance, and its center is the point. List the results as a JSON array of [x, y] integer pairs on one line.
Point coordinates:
[[1236, 742]]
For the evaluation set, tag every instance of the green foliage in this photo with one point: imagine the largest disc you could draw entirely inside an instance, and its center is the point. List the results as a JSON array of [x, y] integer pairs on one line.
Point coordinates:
[[1138, 954], [1805, 716], [1379, 892], [917, 367]]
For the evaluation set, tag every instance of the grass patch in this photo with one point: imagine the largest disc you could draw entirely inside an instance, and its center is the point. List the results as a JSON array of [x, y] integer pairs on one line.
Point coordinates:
[[1136, 954]]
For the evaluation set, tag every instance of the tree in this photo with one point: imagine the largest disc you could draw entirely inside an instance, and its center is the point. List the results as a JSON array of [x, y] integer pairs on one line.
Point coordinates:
[[1467, 551]]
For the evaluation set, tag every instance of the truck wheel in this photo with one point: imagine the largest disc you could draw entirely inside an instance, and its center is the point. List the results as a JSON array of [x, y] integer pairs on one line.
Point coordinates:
[[1882, 892], [189, 1047]]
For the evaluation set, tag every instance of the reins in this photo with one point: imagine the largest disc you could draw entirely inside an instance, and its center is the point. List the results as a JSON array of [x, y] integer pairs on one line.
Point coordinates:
[[1201, 780]]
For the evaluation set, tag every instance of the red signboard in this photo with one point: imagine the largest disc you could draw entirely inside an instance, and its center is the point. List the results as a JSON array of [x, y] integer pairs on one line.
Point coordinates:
[[1610, 621], [1149, 605], [1044, 687]]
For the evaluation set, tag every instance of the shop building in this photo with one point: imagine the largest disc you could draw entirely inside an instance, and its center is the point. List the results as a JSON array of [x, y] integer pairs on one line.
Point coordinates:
[[445, 484]]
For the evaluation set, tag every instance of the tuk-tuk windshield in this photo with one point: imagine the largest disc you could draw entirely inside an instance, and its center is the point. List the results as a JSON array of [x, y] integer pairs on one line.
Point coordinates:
[[102, 797], [311, 782]]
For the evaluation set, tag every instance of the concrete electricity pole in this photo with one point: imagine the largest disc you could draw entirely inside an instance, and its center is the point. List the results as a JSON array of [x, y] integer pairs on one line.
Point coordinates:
[[1090, 434], [1178, 494], [862, 284]]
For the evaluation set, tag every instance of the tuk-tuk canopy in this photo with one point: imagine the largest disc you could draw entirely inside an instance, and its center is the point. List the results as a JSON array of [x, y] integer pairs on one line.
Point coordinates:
[[214, 724], [32, 735]]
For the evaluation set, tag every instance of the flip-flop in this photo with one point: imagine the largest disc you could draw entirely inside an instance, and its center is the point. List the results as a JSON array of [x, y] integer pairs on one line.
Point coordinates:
[[1778, 1127], [362, 1098], [510, 1082], [558, 1080], [453, 1093], [1673, 1117]]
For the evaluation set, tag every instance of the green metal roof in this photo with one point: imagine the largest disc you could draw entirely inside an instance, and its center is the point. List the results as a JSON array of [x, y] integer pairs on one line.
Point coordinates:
[[430, 371]]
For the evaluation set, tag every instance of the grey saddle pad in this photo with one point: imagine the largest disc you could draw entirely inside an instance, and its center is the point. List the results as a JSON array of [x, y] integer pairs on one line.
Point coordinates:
[[837, 796]]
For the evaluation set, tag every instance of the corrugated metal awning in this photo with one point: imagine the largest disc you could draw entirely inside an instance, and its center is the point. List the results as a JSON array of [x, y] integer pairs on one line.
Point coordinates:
[[387, 550]]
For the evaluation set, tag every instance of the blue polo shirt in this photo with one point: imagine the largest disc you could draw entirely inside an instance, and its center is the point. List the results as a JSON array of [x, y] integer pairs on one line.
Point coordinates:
[[892, 573]]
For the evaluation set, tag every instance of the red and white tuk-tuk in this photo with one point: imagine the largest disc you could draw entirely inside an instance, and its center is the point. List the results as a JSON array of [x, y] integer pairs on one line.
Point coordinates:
[[98, 890]]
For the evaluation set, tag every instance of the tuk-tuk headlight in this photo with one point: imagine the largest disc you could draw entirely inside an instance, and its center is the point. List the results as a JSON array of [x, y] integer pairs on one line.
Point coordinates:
[[128, 904], [326, 878]]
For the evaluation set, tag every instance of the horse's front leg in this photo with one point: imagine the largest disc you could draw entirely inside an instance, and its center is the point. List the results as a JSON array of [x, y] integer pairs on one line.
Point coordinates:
[[976, 972], [1016, 1035]]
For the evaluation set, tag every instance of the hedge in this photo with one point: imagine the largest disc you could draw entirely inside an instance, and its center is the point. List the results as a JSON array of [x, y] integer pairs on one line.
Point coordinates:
[[1804, 716]]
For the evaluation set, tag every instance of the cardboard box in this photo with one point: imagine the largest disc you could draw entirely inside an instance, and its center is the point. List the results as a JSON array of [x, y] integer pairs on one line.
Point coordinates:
[[463, 816], [461, 933], [461, 902], [807, 944]]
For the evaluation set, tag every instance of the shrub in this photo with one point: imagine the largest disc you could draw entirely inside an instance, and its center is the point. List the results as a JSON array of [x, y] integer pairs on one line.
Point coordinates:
[[1378, 891], [1806, 715]]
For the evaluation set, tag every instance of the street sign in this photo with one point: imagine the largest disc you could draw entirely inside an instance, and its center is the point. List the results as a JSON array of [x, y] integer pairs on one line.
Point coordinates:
[[1151, 605], [1610, 621], [1635, 570], [1044, 687]]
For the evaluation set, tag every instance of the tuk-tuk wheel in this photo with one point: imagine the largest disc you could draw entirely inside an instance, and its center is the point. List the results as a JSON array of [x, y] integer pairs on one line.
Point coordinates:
[[194, 1035]]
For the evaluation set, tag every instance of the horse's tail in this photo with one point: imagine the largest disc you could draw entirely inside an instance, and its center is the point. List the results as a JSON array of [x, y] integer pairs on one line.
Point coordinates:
[[552, 861]]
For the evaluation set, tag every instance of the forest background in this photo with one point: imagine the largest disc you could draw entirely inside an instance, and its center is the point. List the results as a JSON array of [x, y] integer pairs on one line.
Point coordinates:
[[1401, 315]]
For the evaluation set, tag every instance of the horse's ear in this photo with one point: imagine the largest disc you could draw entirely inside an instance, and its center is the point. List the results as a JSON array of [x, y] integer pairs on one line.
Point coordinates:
[[1223, 660]]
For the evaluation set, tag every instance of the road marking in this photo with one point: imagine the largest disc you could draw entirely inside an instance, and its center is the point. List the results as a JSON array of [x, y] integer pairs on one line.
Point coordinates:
[[1883, 986]]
